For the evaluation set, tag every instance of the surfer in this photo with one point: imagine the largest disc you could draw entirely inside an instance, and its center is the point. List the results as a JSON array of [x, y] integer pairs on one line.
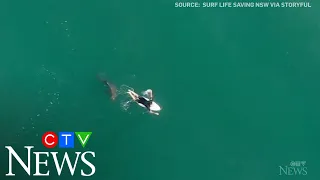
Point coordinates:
[[143, 101], [112, 88]]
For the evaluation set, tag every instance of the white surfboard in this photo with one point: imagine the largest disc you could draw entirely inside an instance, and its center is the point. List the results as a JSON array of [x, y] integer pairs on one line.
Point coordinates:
[[154, 106]]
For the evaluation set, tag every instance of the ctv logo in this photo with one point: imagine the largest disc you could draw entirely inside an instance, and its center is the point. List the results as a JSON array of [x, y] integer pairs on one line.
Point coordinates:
[[65, 139], [51, 140]]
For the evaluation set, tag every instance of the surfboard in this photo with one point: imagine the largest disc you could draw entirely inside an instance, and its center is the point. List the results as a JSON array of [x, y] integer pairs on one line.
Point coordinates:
[[154, 106]]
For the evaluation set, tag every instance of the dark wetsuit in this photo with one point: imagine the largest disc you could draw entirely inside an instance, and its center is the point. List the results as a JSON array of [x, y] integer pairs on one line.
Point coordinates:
[[146, 103]]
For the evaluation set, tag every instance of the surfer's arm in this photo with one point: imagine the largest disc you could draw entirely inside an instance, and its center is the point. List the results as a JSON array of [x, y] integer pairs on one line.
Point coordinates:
[[150, 94], [133, 95]]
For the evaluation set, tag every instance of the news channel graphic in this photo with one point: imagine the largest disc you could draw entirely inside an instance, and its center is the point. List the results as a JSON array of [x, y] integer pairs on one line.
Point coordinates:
[[60, 154], [243, 4], [65, 139], [295, 168]]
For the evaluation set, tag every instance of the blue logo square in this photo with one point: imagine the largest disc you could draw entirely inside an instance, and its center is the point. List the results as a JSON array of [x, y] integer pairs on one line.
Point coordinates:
[[66, 139]]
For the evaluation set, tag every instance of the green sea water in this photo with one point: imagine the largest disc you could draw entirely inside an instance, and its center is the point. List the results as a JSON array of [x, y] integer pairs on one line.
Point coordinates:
[[239, 87]]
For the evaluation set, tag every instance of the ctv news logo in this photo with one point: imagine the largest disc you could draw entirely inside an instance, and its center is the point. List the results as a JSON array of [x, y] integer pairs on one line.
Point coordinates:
[[50, 140], [294, 169]]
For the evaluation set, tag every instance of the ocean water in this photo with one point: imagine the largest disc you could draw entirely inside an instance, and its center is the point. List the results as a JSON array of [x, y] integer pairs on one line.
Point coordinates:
[[239, 87]]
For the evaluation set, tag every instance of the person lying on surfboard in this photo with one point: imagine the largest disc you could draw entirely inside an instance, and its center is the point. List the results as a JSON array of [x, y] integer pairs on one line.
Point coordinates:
[[143, 101]]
